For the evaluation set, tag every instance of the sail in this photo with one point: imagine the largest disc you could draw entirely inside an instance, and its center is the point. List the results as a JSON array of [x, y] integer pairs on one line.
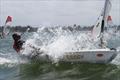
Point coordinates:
[[101, 22], [106, 12], [97, 28], [6, 27]]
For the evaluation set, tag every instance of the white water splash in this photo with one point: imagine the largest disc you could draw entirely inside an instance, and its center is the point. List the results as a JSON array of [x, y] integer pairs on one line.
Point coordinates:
[[116, 61], [56, 41]]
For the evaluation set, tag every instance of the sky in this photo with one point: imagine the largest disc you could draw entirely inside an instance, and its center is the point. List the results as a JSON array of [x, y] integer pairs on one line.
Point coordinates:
[[56, 12]]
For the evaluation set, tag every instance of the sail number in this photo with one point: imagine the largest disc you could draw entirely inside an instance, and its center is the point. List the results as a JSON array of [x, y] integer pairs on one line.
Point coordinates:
[[71, 56]]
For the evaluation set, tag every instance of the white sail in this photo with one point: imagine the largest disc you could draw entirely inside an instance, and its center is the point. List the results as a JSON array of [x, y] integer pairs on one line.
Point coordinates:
[[101, 22], [97, 28], [106, 12], [6, 30], [6, 27]]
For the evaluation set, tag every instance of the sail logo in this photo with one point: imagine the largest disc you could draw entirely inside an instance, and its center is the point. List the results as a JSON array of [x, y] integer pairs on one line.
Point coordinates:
[[74, 56], [97, 25]]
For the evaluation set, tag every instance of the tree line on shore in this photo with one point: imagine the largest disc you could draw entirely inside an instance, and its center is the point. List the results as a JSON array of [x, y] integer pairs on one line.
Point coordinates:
[[20, 28], [74, 27]]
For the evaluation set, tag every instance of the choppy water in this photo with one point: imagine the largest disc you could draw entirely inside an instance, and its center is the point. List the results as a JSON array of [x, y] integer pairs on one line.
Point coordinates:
[[55, 41]]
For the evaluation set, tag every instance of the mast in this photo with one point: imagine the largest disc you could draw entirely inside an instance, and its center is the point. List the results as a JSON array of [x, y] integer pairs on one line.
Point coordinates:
[[104, 14]]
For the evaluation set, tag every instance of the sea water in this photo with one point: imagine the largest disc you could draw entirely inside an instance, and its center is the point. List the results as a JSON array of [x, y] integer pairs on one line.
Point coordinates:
[[55, 41]]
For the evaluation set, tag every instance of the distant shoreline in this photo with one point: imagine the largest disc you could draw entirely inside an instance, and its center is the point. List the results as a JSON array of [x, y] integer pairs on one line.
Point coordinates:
[[71, 28]]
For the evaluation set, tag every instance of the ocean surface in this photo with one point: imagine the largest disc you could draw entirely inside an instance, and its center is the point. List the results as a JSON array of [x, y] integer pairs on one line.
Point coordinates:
[[56, 40]]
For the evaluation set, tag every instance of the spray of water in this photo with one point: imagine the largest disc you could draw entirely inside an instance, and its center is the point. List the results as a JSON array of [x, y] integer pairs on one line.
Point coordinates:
[[54, 41]]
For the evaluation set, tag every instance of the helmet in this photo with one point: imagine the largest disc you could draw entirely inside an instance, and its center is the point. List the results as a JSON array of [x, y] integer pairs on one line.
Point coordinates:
[[16, 36]]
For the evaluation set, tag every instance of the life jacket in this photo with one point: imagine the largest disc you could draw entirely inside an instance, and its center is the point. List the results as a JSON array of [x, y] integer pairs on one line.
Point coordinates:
[[18, 45]]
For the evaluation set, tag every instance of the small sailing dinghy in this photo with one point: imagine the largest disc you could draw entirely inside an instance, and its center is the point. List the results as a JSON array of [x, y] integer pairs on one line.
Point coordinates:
[[102, 55]]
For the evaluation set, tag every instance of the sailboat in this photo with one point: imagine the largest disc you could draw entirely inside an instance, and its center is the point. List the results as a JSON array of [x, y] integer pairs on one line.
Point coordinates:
[[102, 55], [6, 27]]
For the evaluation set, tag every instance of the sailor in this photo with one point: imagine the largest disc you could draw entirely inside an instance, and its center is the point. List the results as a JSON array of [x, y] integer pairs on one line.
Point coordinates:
[[18, 46], [18, 43]]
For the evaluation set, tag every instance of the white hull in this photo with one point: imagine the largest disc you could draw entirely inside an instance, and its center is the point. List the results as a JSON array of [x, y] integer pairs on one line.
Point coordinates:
[[88, 56]]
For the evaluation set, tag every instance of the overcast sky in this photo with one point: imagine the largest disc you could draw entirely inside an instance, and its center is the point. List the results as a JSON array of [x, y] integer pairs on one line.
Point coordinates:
[[55, 12]]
